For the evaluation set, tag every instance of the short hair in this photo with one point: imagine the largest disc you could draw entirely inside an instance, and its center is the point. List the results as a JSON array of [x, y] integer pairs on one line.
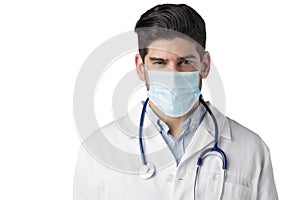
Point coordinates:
[[164, 21]]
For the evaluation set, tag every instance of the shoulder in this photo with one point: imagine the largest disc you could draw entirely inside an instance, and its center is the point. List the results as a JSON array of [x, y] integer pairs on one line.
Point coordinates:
[[247, 139], [238, 134]]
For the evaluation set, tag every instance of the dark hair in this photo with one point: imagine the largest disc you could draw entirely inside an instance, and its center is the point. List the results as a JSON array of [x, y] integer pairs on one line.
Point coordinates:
[[166, 21]]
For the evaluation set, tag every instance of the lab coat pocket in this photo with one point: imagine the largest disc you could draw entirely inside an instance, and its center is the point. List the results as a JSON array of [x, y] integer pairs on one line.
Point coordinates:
[[232, 191]]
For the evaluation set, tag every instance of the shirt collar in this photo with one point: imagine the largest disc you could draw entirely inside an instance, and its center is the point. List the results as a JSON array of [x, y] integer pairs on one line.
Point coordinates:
[[192, 122]]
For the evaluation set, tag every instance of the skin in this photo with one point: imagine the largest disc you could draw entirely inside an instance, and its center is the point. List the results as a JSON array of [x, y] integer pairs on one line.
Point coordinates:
[[174, 53]]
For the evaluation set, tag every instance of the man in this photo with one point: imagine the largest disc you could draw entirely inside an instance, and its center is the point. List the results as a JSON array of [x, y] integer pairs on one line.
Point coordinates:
[[161, 162]]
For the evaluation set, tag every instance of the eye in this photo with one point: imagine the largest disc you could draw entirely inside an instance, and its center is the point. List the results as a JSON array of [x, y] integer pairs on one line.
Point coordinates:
[[158, 63], [185, 62]]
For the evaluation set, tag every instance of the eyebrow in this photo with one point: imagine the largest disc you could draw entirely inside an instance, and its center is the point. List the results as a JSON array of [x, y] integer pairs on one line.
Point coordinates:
[[187, 57], [181, 58], [156, 59]]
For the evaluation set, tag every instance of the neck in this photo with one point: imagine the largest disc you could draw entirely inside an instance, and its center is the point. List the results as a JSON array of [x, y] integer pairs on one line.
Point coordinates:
[[174, 123]]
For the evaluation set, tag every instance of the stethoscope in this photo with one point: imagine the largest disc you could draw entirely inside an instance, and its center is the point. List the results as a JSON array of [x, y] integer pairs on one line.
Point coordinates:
[[147, 169]]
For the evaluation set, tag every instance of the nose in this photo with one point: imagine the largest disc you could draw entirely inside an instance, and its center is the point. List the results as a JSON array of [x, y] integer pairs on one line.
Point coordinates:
[[173, 67]]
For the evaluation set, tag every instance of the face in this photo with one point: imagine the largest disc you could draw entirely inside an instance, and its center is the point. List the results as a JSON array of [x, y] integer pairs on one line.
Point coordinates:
[[173, 55]]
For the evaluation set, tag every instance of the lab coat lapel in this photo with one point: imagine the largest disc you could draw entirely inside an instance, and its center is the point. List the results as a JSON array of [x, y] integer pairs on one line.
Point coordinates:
[[155, 148], [204, 135], [223, 126]]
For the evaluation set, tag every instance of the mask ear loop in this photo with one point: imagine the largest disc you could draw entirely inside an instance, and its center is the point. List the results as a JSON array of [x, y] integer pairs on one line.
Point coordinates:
[[200, 81], [146, 76]]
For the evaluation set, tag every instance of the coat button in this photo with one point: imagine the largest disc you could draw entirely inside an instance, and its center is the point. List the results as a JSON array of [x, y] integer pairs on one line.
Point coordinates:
[[169, 177]]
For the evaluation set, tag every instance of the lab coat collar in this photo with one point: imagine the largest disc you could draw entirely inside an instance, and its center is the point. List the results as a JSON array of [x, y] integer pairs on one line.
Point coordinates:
[[154, 142], [204, 135], [150, 129], [223, 126]]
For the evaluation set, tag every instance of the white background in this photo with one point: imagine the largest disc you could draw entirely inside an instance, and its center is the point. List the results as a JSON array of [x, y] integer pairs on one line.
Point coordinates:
[[254, 45]]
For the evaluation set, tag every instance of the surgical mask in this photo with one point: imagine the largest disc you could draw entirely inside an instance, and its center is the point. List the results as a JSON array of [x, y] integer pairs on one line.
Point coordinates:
[[174, 93]]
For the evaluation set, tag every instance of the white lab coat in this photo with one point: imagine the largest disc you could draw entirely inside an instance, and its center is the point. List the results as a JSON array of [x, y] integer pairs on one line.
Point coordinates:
[[109, 159]]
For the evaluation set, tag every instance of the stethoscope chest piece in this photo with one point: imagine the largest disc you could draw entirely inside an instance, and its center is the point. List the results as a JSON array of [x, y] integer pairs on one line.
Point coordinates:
[[146, 171]]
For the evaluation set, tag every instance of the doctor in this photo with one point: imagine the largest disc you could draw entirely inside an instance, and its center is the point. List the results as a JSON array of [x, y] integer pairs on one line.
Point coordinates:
[[158, 159]]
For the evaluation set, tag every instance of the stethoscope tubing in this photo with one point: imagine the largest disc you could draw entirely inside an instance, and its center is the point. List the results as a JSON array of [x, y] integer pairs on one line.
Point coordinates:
[[216, 140], [141, 132], [148, 169], [202, 155]]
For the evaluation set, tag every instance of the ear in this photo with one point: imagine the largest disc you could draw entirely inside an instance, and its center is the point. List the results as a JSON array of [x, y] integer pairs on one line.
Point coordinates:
[[205, 65], [139, 66]]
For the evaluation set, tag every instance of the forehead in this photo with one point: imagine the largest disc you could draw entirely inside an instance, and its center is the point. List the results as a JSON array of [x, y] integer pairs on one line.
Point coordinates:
[[177, 46]]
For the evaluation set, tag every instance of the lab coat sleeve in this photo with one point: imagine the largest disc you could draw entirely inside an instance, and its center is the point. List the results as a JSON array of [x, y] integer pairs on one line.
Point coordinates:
[[266, 186], [86, 185]]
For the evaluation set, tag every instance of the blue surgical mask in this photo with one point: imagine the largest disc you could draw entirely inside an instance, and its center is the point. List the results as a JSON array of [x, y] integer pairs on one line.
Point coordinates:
[[174, 93]]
